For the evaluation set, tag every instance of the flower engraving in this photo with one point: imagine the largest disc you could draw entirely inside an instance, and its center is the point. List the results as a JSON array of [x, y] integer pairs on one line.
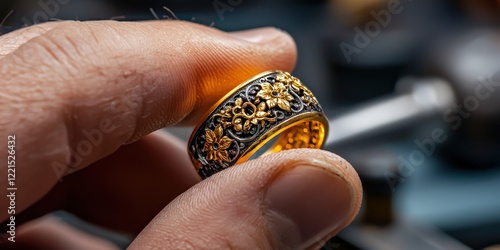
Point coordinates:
[[285, 78], [251, 114], [244, 114], [216, 145], [276, 94], [306, 95]]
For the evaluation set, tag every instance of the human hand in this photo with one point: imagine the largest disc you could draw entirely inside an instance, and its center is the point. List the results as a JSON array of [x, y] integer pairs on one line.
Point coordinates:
[[83, 98]]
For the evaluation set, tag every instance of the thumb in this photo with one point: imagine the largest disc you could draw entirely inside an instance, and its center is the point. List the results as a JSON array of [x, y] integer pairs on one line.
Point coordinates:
[[294, 199]]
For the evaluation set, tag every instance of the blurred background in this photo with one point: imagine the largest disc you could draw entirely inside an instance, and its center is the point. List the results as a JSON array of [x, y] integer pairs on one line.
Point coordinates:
[[412, 90]]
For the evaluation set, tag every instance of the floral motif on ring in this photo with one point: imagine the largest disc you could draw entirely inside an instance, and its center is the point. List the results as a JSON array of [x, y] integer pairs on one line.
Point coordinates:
[[276, 94], [216, 145]]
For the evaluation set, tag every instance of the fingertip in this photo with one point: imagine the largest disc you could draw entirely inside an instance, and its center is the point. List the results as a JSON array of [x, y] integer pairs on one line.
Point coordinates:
[[319, 192], [310, 195], [232, 58], [275, 39]]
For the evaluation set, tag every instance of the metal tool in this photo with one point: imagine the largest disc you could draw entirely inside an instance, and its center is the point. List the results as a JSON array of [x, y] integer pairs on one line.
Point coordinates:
[[462, 92]]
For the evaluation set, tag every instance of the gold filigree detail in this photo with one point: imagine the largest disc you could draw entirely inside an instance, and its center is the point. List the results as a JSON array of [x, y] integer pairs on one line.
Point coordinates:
[[276, 94], [242, 115], [247, 113], [285, 78], [216, 145], [306, 95]]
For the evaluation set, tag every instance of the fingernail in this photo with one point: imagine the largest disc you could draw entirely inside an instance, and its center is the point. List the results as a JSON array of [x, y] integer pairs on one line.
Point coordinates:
[[260, 35], [313, 200]]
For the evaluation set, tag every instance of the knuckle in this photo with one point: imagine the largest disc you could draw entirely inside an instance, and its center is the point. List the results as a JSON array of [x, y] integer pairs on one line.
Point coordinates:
[[55, 48], [73, 43], [63, 43]]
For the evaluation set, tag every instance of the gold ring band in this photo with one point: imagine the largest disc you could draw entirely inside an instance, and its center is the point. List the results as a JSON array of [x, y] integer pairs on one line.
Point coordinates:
[[270, 106]]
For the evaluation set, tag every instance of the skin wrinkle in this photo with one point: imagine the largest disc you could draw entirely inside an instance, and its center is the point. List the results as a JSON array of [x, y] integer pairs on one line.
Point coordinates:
[[72, 44], [41, 46], [11, 41], [54, 49], [7, 67], [126, 75]]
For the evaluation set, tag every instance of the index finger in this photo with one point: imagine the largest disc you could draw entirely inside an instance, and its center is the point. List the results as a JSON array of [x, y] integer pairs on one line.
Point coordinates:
[[82, 89]]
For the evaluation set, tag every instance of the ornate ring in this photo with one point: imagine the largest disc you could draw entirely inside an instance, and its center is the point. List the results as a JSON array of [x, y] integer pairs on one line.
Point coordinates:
[[271, 106]]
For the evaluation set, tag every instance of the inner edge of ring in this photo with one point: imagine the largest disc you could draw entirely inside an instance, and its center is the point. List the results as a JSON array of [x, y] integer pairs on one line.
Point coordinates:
[[280, 132]]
